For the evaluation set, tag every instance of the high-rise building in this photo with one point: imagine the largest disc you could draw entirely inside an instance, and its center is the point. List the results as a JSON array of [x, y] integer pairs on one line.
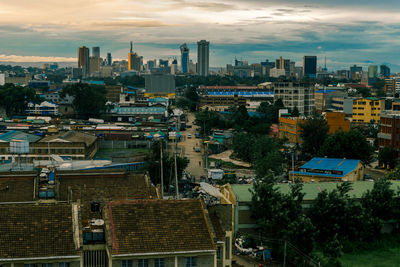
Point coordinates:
[[372, 71], [385, 71], [174, 66], [310, 66], [134, 60], [355, 72], [163, 63], [83, 60], [184, 58], [203, 56], [96, 51], [109, 59], [94, 64], [283, 64]]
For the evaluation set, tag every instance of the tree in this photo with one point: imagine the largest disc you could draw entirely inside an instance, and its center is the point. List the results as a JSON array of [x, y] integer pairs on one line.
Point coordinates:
[[385, 156], [313, 132], [15, 99], [295, 112], [89, 100], [350, 145]]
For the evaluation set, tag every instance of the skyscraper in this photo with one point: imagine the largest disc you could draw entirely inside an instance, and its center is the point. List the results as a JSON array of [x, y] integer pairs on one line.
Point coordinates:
[[203, 55], [109, 59], [372, 71], [83, 60], [385, 70], [283, 64], [96, 51], [184, 58], [310, 66], [134, 61]]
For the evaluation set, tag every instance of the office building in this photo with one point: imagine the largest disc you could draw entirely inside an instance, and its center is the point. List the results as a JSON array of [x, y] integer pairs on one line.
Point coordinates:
[[392, 85], [295, 94], [310, 66], [385, 71], [283, 64], [159, 83], [94, 65], [109, 59], [289, 128], [134, 60], [83, 60], [323, 98], [96, 51], [367, 109], [184, 58], [372, 71], [203, 56], [355, 72], [174, 66]]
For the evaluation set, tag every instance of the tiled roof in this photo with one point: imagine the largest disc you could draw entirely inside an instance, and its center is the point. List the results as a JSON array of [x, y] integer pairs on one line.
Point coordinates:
[[17, 189], [36, 230], [72, 136], [144, 226]]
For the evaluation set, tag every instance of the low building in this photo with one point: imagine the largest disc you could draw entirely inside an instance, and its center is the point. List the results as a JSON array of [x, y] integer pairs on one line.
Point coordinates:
[[367, 109], [45, 108], [337, 122], [240, 196], [343, 104], [323, 98], [289, 128], [389, 131], [39, 235], [215, 102], [330, 169], [160, 233]]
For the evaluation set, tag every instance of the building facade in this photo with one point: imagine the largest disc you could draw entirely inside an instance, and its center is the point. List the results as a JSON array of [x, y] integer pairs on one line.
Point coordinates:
[[310, 66], [184, 58], [367, 109], [289, 128], [295, 95], [83, 60], [203, 57]]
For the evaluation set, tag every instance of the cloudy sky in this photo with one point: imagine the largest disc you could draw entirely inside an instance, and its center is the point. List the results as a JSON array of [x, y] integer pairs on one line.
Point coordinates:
[[360, 32]]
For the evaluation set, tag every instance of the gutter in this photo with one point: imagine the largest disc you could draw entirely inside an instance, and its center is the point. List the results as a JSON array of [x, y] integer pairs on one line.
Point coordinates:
[[164, 253], [40, 258]]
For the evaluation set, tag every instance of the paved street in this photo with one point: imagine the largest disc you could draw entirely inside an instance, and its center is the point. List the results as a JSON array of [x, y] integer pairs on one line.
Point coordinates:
[[188, 145]]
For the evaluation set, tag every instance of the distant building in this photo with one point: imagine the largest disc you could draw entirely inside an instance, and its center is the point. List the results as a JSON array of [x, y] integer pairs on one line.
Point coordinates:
[[160, 83], [295, 95], [330, 169], [372, 74], [2, 79], [367, 109], [385, 71], [163, 63], [109, 59], [96, 51], [184, 58], [174, 66], [355, 72], [289, 128], [276, 73], [323, 98], [392, 85], [94, 65], [310, 66], [344, 104], [203, 56], [337, 122], [83, 60], [283, 64], [134, 61], [389, 130], [45, 108]]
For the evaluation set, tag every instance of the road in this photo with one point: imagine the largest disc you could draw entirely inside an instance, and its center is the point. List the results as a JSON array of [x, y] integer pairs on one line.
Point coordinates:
[[196, 165]]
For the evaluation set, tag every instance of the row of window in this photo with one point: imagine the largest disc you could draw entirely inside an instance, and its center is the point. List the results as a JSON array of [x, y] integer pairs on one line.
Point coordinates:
[[61, 264], [45, 151], [158, 262]]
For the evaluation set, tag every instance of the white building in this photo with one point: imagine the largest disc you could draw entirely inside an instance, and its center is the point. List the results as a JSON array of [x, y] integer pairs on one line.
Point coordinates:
[[276, 73], [44, 108], [295, 95], [2, 79]]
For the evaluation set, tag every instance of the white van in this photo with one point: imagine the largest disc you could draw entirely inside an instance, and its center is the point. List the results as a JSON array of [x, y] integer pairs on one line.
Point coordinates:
[[189, 135]]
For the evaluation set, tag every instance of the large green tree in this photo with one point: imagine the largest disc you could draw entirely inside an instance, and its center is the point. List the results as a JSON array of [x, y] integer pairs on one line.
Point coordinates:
[[313, 132], [386, 156], [89, 100], [350, 145], [14, 99]]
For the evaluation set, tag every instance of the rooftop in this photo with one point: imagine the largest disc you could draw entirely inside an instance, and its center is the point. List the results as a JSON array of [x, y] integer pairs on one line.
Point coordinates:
[[311, 190], [35, 231], [337, 167], [168, 226], [71, 136], [18, 135]]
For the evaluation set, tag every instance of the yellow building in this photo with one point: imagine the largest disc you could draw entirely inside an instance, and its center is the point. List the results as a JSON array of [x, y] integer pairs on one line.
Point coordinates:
[[337, 122], [367, 109], [290, 128]]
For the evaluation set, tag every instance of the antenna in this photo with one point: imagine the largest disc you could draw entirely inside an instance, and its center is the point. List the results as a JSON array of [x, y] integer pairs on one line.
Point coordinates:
[[131, 47]]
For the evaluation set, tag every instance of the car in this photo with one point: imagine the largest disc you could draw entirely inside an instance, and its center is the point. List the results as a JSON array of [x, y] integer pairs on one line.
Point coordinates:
[[189, 135], [197, 135]]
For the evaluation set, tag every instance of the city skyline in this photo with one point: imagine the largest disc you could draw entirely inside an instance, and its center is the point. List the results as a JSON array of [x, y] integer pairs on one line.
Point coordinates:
[[362, 33]]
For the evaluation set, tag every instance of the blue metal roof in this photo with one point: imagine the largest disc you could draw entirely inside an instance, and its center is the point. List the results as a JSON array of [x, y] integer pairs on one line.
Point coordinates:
[[325, 91], [132, 87], [328, 164], [241, 93], [96, 82]]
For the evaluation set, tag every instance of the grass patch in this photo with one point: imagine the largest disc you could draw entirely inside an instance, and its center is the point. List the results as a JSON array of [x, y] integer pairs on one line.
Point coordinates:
[[380, 253]]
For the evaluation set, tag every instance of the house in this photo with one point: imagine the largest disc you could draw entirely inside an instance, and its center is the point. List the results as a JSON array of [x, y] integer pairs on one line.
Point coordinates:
[[39, 235], [330, 169], [45, 108], [159, 233]]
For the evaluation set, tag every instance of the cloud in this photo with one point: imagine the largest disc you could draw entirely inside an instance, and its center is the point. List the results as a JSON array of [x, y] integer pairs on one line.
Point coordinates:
[[15, 58]]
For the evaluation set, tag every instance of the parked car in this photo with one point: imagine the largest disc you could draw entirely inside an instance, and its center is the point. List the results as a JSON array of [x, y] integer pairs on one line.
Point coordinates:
[[189, 135]]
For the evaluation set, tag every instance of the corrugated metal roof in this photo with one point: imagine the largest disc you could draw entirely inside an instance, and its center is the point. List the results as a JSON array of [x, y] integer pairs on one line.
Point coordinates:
[[330, 164], [241, 93], [18, 135], [311, 190]]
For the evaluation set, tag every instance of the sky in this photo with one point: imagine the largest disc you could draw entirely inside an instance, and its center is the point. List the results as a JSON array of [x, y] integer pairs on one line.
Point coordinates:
[[361, 32]]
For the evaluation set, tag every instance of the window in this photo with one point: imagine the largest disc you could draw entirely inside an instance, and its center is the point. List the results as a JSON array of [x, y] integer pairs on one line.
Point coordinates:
[[227, 248], [159, 262], [127, 263], [47, 264], [143, 263], [190, 262], [29, 265], [219, 253], [63, 264]]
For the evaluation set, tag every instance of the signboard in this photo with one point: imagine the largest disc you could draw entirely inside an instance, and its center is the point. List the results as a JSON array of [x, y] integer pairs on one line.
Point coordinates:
[[322, 171]]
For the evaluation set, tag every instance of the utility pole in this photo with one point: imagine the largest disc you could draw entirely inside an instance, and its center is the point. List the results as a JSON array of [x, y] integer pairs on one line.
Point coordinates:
[[162, 169], [284, 255], [176, 166], [293, 165]]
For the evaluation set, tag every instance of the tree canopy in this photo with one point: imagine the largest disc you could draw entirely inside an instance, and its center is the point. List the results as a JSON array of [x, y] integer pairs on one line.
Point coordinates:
[[15, 99], [313, 132]]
